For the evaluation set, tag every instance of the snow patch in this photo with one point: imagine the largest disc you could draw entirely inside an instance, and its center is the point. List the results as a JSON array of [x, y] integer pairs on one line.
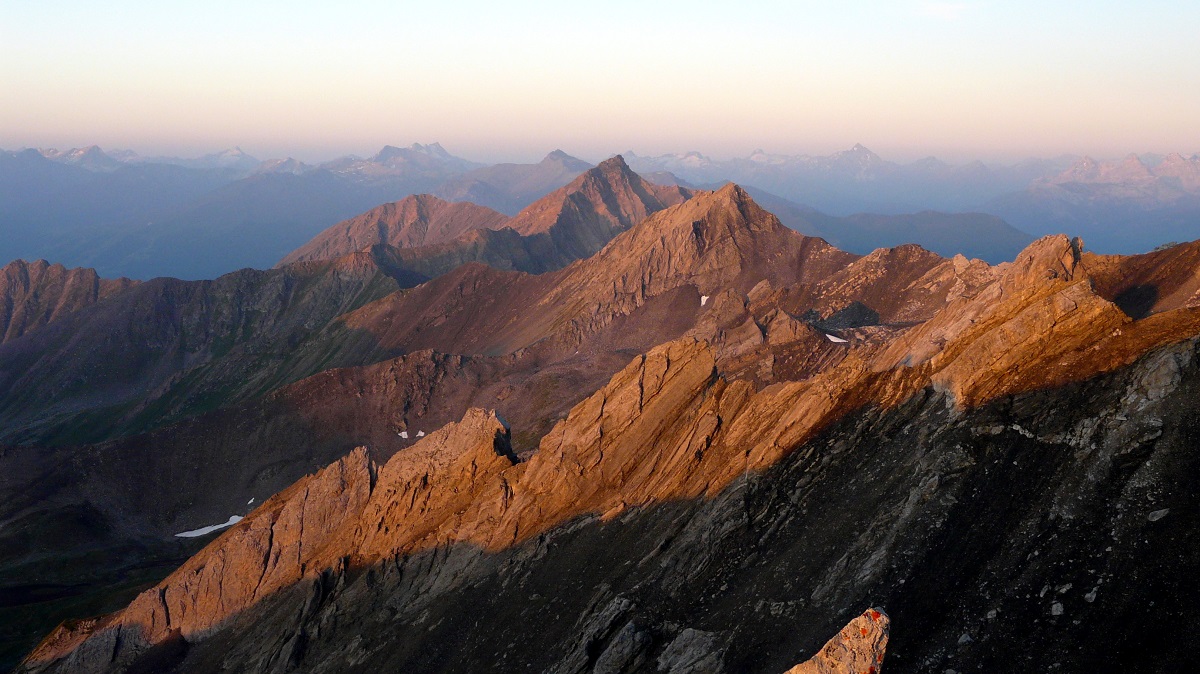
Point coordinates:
[[835, 339], [233, 519], [403, 434], [703, 300], [420, 434], [250, 502]]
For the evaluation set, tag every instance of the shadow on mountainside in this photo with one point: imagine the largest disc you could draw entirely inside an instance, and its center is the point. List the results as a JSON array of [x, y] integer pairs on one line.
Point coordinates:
[[1046, 527]]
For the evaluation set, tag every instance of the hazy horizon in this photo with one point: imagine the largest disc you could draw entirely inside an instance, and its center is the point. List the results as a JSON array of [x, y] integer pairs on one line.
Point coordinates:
[[955, 80], [534, 156]]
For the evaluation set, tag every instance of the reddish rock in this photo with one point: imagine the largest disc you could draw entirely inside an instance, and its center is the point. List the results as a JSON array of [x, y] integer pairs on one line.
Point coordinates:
[[33, 294], [858, 649], [417, 220]]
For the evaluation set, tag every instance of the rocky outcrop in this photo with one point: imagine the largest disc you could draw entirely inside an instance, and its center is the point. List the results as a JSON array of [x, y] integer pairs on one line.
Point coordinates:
[[300, 533], [33, 294], [1039, 323], [417, 220], [858, 649], [601, 203]]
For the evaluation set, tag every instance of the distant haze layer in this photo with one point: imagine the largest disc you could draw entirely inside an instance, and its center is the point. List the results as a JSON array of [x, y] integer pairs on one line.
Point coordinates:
[[961, 80]]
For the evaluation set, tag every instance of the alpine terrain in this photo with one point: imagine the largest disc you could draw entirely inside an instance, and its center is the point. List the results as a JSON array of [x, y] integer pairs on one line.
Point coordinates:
[[623, 426]]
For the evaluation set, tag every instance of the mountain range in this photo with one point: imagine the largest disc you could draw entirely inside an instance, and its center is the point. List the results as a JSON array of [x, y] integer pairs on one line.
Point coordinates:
[[142, 217], [1119, 206], [639, 427], [857, 180]]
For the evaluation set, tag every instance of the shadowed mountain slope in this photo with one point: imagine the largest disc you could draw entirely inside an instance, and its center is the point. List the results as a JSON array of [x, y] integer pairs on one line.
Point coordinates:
[[731, 491], [601, 203], [33, 294], [723, 466], [414, 221], [473, 311], [974, 235], [168, 347], [434, 237]]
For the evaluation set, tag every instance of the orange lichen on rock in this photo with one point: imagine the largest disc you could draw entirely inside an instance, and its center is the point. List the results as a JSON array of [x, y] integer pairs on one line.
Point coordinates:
[[858, 649]]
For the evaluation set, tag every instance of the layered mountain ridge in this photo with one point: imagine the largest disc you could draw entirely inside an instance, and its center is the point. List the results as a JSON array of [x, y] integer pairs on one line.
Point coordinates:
[[141, 217], [33, 294], [668, 428], [435, 236], [215, 329], [725, 440], [414, 221]]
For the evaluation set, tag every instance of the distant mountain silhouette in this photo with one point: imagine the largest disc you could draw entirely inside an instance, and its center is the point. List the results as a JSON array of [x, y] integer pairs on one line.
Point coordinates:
[[1124, 207], [856, 180], [975, 235], [508, 188]]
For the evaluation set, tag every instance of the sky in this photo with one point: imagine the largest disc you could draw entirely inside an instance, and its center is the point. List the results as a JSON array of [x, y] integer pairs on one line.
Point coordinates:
[[492, 81]]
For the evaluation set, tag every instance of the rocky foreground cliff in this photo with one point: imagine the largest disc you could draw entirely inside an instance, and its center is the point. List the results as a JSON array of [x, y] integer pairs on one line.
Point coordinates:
[[1008, 477]]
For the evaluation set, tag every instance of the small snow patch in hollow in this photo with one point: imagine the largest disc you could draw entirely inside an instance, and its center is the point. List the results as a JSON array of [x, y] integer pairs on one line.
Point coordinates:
[[703, 300], [233, 519], [835, 339], [420, 434], [403, 434], [251, 501], [1158, 514]]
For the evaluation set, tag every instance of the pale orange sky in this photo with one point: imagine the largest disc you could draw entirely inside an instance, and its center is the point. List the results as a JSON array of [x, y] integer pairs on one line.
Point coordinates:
[[491, 81]]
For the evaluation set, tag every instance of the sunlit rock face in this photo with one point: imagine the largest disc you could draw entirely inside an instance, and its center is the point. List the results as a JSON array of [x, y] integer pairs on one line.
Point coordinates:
[[1000, 481], [858, 649]]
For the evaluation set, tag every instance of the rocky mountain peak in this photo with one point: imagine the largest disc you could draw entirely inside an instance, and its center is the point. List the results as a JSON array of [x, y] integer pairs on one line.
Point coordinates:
[[288, 165], [600, 203], [560, 158], [416, 220], [1050, 260], [860, 153], [616, 165], [432, 149], [726, 213], [91, 158], [715, 241], [386, 154]]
